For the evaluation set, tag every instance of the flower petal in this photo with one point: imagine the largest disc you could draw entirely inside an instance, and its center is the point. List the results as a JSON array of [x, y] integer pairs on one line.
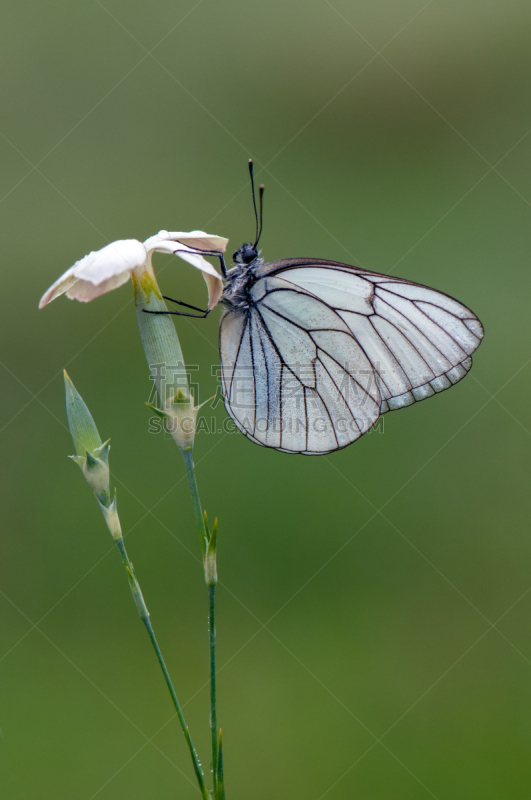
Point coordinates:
[[212, 277], [184, 245], [184, 252], [200, 240], [215, 289], [85, 291], [195, 239], [58, 288], [99, 272], [125, 255]]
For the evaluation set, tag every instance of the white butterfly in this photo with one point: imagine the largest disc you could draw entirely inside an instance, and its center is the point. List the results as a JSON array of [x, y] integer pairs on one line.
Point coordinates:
[[313, 351]]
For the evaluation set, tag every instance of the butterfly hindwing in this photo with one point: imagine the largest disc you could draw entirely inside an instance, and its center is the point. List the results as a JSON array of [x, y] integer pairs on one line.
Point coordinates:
[[296, 379]]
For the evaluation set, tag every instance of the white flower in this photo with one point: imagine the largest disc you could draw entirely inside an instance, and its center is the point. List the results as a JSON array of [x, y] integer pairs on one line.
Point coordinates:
[[183, 244], [106, 269]]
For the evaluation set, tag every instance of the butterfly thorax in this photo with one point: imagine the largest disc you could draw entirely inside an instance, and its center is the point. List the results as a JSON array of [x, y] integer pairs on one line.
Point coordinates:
[[241, 277]]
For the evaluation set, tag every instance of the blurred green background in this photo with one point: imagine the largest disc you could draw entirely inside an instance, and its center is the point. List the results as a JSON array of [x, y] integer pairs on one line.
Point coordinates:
[[394, 577]]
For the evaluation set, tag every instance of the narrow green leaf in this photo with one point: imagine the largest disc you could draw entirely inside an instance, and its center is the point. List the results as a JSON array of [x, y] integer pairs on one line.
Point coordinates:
[[213, 535], [219, 777], [209, 561]]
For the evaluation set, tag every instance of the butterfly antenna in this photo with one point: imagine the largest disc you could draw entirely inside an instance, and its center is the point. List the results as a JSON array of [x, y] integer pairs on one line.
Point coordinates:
[[254, 198], [261, 203]]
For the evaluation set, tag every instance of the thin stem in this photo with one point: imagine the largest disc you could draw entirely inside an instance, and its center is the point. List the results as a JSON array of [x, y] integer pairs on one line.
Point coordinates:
[[204, 536], [144, 614], [212, 648], [194, 491], [193, 753]]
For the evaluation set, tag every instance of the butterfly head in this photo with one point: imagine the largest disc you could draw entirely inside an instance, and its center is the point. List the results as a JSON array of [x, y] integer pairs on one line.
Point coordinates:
[[245, 255]]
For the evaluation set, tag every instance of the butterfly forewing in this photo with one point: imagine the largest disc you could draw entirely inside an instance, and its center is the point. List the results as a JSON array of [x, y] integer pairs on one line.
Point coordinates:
[[418, 340]]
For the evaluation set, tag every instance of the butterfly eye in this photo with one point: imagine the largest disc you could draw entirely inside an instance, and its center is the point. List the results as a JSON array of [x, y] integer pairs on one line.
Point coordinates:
[[249, 254], [245, 254]]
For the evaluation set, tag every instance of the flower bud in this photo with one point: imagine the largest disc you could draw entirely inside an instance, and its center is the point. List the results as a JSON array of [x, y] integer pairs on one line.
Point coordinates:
[[82, 426], [92, 456]]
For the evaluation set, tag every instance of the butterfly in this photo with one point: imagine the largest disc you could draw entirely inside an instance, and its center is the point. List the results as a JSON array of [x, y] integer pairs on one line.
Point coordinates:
[[313, 352]]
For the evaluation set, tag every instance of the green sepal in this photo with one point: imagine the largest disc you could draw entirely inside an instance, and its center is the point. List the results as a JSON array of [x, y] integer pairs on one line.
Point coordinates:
[[92, 463], [102, 452], [181, 399], [82, 426], [96, 472], [197, 408], [158, 411], [159, 340]]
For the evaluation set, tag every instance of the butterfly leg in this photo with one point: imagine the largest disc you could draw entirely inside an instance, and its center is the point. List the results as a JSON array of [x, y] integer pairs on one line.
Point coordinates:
[[213, 254], [177, 313], [203, 314], [186, 305]]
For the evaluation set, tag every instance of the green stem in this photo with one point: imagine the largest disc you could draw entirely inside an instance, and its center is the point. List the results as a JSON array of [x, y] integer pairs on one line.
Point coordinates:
[[213, 717], [203, 533], [144, 614], [194, 491]]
